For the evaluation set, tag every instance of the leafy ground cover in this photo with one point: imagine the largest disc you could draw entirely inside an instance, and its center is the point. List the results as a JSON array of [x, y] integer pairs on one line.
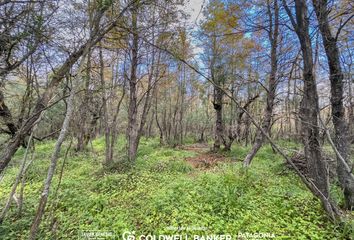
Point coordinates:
[[165, 193]]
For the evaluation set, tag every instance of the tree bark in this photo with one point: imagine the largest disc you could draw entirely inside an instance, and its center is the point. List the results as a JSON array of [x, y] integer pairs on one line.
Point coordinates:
[[108, 158], [83, 123], [58, 76], [351, 109], [268, 111], [232, 134], [151, 89], [132, 110], [309, 108], [219, 128], [113, 127], [51, 170], [341, 139], [6, 115]]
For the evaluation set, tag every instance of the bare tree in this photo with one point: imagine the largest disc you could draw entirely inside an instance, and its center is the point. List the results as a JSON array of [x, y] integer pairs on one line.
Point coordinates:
[[43, 101], [132, 131], [341, 139], [273, 33], [309, 105]]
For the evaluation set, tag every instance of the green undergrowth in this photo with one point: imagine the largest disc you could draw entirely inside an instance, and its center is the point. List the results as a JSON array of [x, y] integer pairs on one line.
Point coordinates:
[[162, 194]]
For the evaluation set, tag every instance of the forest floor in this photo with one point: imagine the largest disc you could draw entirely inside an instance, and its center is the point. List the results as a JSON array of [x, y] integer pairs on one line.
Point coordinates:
[[183, 190], [205, 159]]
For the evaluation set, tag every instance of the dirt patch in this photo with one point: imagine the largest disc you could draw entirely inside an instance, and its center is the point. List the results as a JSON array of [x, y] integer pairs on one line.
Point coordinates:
[[206, 160]]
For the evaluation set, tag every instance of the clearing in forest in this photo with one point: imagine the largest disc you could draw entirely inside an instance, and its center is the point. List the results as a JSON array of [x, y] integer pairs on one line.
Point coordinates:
[[159, 196], [205, 158]]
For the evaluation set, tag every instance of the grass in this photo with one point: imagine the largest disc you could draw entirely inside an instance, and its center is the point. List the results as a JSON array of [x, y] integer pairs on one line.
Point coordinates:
[[162, 193]]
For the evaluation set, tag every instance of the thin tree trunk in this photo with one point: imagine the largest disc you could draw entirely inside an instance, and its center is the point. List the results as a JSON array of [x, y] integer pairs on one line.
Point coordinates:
[[108, 159], [268, 111], [132, 110], [233, 135], [296, 119], [158, 123], [149, 127], [114, 131], [56, 202], [219, 129], [51, 170], [151, 88], [181, 113], [20, 175], [351, 109], [83, 125]]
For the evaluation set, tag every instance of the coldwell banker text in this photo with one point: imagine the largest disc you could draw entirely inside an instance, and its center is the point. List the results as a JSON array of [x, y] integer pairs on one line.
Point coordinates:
[[133, 236]]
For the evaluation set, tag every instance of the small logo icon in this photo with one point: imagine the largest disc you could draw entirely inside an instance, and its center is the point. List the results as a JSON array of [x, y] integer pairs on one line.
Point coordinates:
[[128, 235]]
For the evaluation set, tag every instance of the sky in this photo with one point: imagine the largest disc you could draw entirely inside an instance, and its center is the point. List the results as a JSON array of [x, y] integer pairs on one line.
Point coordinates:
[[193, 8]]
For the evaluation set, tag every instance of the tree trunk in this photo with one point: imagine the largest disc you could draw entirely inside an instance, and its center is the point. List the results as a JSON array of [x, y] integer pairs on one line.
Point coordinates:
[[113, 127], [158, 123], [45, 98], [341, 139], [296, 109], [351, 109], [151, 89], [6, 115], [51, 170], [181, 113], [107, 131], [41, 105], [219, 128], [149, 127], [309, 108], [132, 110], [83, 124], [232, 133], [20, 176], [268, 111]]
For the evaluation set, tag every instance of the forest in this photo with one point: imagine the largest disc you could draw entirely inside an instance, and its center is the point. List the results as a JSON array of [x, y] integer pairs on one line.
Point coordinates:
[[176, 119]]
